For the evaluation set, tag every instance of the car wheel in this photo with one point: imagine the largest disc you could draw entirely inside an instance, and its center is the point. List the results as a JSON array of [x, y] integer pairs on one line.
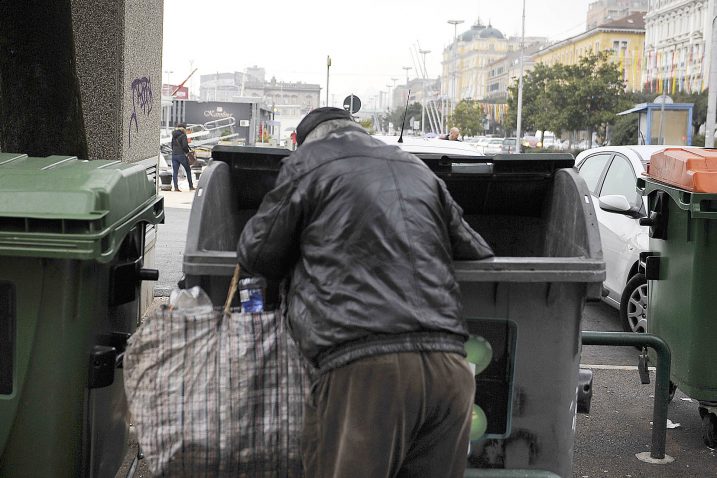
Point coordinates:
[[633, 305]]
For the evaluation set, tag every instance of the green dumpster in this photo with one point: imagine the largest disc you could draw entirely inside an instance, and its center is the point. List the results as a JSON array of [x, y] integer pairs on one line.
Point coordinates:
[[71, 255], [681, 268]]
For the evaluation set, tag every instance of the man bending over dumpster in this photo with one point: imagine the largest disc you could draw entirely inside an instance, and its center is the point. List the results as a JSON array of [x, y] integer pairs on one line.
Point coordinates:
[[367, 234]]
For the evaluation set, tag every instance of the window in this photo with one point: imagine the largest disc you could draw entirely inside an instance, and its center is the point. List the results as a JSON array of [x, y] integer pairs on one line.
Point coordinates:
[[591, 169], [621, 180]]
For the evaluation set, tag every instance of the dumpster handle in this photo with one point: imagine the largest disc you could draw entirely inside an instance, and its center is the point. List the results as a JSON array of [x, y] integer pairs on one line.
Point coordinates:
[[662, 377], [507, 473]]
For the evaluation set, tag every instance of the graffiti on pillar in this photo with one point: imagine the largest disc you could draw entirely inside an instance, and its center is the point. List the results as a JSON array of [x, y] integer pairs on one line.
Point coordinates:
[[142, 98]]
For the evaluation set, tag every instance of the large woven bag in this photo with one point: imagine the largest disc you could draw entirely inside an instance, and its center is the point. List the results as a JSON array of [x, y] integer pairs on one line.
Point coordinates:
[[216, 394]]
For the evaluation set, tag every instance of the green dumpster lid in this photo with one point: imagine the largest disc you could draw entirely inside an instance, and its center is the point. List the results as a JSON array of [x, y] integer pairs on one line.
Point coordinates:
[[63, 207]]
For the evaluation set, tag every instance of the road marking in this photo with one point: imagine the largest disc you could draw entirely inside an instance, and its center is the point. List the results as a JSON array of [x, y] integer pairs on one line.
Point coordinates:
[[613, 367]]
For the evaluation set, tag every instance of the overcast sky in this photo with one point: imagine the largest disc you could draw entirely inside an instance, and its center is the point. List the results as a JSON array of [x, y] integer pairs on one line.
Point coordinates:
[[369, 41]]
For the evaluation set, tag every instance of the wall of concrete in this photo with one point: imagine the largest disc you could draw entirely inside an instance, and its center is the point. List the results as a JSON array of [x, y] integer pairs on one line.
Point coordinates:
[[118, 52]]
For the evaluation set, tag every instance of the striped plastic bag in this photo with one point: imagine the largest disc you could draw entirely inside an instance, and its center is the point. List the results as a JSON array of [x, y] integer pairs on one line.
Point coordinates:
[[216, 394]]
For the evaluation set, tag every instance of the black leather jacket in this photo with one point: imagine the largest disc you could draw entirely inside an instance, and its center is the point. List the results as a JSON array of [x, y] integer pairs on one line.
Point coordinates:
[[368, 233], [179, 142]]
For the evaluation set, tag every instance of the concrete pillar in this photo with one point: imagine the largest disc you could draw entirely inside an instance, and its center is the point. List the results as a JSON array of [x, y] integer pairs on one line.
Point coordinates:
[[40, 107], [118, 57], [118, 51]]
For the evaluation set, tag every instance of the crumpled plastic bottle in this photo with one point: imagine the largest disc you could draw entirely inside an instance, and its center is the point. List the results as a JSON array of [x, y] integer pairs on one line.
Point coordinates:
[[192, 301]]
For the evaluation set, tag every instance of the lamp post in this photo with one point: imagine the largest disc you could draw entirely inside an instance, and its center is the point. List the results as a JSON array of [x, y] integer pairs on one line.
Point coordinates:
[[407, 68], [711, 80], [394, 88], [520, 88], [423, 102], [328, 67], [455, 24]]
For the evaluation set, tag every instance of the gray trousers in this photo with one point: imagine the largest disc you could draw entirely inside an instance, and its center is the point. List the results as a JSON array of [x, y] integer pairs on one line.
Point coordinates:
[[393, 415]]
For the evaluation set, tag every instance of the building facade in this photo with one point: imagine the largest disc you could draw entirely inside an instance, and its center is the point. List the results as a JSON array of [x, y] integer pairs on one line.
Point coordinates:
[[503, 73], [291, 99], [604, 11], [467, 60], [624, 39], [678, 35]]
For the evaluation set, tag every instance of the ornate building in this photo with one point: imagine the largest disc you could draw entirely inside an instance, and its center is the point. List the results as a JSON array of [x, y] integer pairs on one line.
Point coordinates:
[[469, 58], [624, 38], [677, 45]]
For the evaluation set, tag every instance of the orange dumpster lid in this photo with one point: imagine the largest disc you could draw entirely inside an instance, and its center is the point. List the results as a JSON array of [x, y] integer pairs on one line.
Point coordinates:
[[693, 169]]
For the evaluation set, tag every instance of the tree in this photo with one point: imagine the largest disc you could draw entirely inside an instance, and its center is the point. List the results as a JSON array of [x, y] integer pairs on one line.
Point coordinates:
[[598, 91], [583, 96], [397, 115], [468, 117], [624, 131], [536, 102]]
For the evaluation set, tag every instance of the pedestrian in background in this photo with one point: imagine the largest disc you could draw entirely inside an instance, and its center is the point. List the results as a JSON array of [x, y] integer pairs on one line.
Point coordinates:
[[293, 140], [367, 235], [452, 135], [180, 149]]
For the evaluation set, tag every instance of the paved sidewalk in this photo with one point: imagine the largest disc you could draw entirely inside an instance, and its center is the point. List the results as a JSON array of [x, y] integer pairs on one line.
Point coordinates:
[[171, 239]]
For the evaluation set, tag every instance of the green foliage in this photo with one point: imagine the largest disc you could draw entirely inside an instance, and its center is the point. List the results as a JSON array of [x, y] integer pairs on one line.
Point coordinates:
[[468, 117], [698, 140], [396, 116], [624, 131], [367, 124], [699, 111], [558, 98]]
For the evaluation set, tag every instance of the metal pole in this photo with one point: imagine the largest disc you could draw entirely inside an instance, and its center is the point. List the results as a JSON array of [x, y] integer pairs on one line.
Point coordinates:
[[423, 103], [662, 377], [455, 24], [328, 66], [407, 68], [712, 85], [661, 138], [519, 124]]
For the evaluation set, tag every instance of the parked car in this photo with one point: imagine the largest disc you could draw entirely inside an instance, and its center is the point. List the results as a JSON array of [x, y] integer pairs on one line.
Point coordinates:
[[611, 173], [508, 146], [493, 146], [415, 144], [529, 142]]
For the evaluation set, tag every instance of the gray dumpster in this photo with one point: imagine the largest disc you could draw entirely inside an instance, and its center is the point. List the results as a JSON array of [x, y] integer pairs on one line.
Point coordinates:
[[537, 214]]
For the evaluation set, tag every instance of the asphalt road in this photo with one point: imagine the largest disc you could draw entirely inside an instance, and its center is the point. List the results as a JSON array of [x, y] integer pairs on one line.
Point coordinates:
[[618, 426], [607, 439]]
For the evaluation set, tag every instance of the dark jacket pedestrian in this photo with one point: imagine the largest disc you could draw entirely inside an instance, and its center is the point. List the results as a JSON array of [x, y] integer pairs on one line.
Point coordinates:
[[180, 148], [367, 234]]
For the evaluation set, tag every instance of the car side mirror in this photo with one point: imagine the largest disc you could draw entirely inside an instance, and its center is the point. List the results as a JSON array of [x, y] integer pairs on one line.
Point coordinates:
[[619, 204]]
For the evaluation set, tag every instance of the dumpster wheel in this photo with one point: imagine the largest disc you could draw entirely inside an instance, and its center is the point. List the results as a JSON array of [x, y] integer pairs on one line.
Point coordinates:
[[709, 427]]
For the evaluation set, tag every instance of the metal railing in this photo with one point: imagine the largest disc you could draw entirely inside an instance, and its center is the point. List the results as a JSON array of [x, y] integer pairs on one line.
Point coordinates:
[[662, 377]]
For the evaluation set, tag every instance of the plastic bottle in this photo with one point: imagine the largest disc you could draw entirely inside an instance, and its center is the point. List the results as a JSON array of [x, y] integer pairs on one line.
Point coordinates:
[[192, 301], [251, 294]]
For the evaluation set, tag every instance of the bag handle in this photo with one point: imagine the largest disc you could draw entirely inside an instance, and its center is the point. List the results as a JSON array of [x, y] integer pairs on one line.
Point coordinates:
[[232, 289]]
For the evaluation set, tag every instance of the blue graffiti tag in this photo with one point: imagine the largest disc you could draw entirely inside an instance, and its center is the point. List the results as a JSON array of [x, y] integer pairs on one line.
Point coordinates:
[[142, 95]]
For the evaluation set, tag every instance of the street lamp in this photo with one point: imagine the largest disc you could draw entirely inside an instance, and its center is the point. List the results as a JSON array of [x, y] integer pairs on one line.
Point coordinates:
[[407, 68], [394, 87], [455, 24], [423, 103], [519, 122], [328, 67]]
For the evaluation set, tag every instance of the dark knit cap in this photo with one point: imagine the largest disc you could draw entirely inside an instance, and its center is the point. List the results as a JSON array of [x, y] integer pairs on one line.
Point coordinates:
[[315, 118]]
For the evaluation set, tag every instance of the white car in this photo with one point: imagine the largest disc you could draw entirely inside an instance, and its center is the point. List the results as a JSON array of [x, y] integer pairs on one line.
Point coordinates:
[[415, 144], [611, 173], [494, 146]]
